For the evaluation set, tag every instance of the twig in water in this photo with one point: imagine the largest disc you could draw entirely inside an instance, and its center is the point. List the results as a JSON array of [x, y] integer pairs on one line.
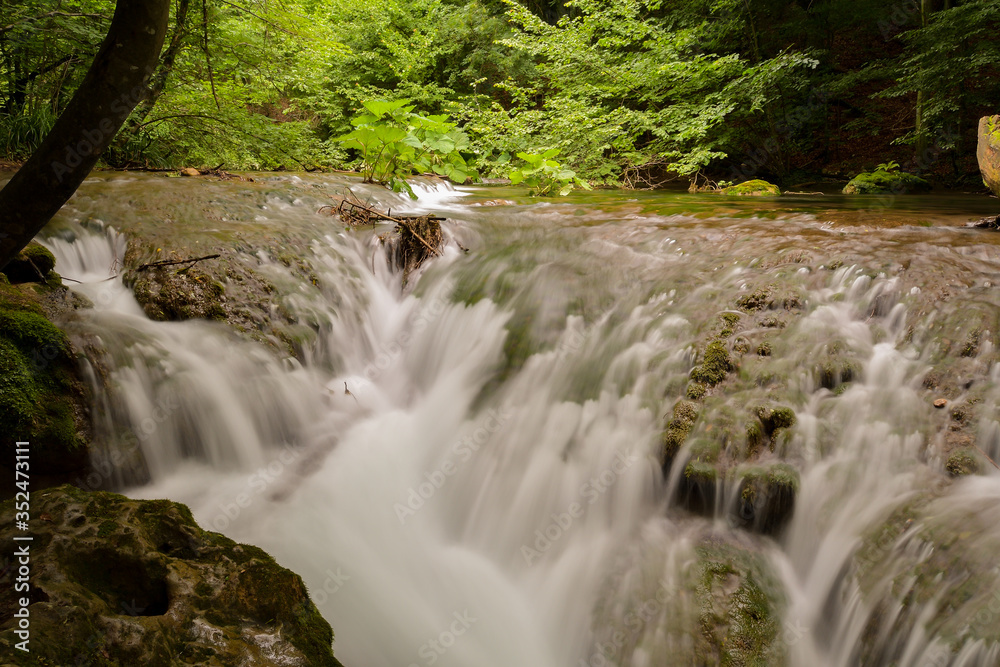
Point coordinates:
[[174, 262]]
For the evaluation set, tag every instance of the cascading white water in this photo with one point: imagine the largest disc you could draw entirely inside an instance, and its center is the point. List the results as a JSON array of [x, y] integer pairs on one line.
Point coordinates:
[[440, 516]]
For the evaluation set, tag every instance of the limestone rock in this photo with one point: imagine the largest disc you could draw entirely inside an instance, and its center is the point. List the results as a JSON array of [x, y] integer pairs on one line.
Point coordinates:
[[116, 581], [989, 152]]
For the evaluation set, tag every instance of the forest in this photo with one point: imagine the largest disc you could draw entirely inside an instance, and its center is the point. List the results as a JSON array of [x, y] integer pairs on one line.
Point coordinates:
[[633, 93]]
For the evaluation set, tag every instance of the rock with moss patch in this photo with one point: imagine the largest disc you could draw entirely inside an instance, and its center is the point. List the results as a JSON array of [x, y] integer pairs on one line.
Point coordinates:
[[715, 365], [886, 182], [117, 581], [933, 562], [988, 152], [754, 188], [767, 497], [684, 416], [42, 400], [31, 265], [963, 462]]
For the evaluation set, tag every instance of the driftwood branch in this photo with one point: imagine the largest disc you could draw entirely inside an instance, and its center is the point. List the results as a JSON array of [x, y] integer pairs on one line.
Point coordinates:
[[175, 262]]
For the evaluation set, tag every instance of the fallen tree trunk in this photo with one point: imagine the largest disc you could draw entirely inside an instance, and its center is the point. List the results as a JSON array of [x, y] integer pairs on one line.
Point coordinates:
[[115, 83]]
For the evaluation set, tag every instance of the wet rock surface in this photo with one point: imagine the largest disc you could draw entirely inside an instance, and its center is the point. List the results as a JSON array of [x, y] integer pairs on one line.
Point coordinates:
[[116, 581]]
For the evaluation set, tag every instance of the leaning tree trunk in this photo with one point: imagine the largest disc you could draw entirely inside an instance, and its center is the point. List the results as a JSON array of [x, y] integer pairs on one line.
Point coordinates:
[[114, 84]]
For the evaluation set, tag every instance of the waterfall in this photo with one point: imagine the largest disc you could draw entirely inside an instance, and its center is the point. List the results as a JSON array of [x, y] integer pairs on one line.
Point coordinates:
[[466, 471]]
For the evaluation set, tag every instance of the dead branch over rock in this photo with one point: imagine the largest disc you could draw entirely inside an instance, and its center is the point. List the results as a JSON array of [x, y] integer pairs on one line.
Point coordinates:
[[414, 239]]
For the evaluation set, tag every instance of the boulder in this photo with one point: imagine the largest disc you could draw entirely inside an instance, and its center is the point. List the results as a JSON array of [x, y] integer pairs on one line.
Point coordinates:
[[190, 172], [31, 265], [116, 581], [754, 188], [886, 182], [989, 152]]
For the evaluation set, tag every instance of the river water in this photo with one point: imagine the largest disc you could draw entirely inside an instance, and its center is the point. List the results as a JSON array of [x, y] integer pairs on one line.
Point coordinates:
[[488, 490]]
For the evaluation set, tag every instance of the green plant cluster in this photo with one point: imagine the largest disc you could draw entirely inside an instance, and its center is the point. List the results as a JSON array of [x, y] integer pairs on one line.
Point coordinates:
[[545, 176], [394, 142]]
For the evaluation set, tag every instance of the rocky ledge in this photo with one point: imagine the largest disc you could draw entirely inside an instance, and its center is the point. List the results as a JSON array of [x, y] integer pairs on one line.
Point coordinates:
[[116, 581]]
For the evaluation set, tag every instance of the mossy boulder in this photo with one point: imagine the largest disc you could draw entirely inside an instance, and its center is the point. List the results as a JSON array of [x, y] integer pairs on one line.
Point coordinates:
[[963, 462], [717, 602], [678, 427], [116, 581], [754, 188], [31, 265], [886, 182], [767, 497], [715, 365], [42, 401], [988, 152]]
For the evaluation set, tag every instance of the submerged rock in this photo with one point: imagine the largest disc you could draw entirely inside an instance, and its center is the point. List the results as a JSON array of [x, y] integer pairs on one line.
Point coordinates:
[[988, 152], [886, 182], [715, 601], [116, 581]]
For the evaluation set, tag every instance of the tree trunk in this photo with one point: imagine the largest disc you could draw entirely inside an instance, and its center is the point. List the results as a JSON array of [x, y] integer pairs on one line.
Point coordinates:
[[925, 16], [114, 84]]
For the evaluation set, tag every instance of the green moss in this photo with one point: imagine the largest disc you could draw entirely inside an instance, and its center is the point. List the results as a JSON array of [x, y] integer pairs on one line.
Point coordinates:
[[31, 261], [741, 605], [758, 299], [764, 349], [714, 367], [971, 347], [696, 391], [963, 462], [684, 416], [883, 182], [754, 188]]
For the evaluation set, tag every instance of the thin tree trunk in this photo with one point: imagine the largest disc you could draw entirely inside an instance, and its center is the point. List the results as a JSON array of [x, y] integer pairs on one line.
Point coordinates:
[[114, 84], [159, 81], [926, 7]]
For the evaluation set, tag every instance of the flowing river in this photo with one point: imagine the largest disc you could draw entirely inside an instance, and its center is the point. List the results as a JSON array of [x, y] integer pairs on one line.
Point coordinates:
[[466, 468]]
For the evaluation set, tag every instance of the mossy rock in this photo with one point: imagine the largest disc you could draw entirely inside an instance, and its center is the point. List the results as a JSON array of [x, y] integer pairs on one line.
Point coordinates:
[[33, 264], [117, 582], [42, 401], [715, 365], [885, 182], [715, 602], [678, 427], [754, 188], [963, 462], [988, 152], [937, 552], [767, 497]]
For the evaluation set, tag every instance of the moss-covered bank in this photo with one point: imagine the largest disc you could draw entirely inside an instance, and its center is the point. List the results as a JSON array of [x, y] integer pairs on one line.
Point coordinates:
[[42, 400]]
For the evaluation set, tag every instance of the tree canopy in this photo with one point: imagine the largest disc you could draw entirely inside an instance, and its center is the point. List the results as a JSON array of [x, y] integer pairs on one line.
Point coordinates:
[[630, 92]]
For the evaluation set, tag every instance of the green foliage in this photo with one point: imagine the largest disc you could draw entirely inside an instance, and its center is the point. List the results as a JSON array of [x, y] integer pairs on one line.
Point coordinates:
[[545, 176], [889, 167], [395, 143]]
